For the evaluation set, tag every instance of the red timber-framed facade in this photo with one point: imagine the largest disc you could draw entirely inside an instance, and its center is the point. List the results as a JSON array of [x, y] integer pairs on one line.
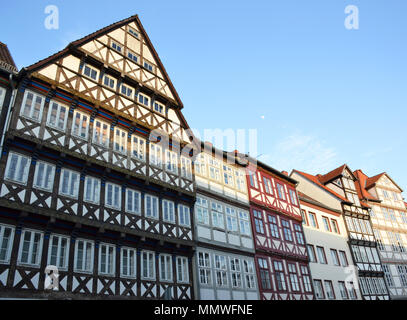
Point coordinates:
[[86, 187], [281, 257]]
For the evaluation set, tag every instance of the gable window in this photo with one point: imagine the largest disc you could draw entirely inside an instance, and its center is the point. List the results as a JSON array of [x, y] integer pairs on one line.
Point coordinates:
[[249, 271], [335, 226], [306, 278], [116, 46], [182, 270], [220, 270], [84, 256], [126, 90], [311, 253], [335, 258], [148, 66], [107, 258], [343, 258], [319, 290], [395, 197], [143, 99], [217, 216], [258, 221], [151, 206], [44, 176], [201, 210], [287, 230], [235, 272], [80, 125], [159, 107], [165, 267], [298, 234], [155, 155], [6, 242], [293, 197], [183, 215], [292, 270], [92, 190], [138, 148], [280, 190], [133, 201], [231, 219], [253, 180], [128, 263], [168, 211], [108, 81], [132, 56], [120, 140], [244, 223], [171, 161], [321, 255], [90, 72], [134, 32], [32, 106], [342, 289], [313, 220], [147, 265], [101, 133], [267, 185], [280, 277], [69, 184], [386, 194], [30, 248], [264, 274], [325, 222], [273, 226], [113, 196], [57, 115], [329, 289], [204, 264], [186, 168]]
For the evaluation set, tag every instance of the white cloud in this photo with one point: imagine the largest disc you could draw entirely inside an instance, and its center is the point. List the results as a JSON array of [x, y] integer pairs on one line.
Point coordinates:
[[302, 152]]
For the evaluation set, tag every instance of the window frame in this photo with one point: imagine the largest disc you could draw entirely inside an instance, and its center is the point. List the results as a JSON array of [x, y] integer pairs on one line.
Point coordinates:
[[52, 176], [57, 116], [91, 258], [39, 252], [70, 182], [10, 242], [91, 68], [82, 115], [25, 169], [32, 108], [108, 246], [66, 258]]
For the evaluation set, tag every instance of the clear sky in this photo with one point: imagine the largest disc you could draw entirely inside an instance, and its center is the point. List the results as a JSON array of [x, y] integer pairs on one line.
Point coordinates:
[[320, 95]]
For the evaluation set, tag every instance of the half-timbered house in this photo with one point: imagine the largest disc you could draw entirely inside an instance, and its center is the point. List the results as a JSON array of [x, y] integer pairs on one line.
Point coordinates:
[[281, 257], [225, 249], [93, 178]]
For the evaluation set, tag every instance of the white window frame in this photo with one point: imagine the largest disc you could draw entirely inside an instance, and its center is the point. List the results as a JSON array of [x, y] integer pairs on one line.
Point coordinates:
[[220, 266], [160, 105], [59, 107], [82, 117], [145, 101], [111, 82], [10, 241], [90, 74], [131, 55], [171, 161], [151, 273], [202, 211], [217, 216], [165, 266], [228, 178], [110, 269], [103, 137], [168, 208], [120, 141], [204, 268], [18, 168], [29, 115], [184, 215], [126, 251], [135, 202], [70, 182], [37, 261], [156, 157], [231, 219], [249, 273], [152, 214], [138, 148], [95, 190], [126, 90], [82, 269], [182, 262], [115, 188], [64, 256], [45, 184], [149, 66], [235, 272], [134, 32], [186, 168], [116, 46], [244, 223]]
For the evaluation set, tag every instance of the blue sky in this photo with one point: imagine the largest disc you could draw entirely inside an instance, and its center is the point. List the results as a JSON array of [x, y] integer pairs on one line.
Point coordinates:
[[319, 95]]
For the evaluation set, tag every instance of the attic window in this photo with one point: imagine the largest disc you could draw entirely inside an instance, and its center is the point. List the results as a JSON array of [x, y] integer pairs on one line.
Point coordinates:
[[143, 99], [158, 107], [108, 81], [126, 90], [116, 46], [132, 56], [90, 72], [134, 32], [148, 66]]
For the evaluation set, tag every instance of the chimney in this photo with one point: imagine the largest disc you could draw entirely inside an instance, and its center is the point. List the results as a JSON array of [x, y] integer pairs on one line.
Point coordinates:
[[285, 173]]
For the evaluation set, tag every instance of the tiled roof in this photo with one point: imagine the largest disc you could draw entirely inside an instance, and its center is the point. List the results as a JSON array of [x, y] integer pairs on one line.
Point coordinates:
[[360, 184], [371, 181], [332, 174], [6, 60]]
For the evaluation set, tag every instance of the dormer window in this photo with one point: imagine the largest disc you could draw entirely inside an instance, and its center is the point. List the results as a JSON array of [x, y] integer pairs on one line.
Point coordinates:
[[148, 66], [127, 91], [143, 99], [116, 46], [90, 72], [108, 81], [134, 32], [132, 56], [159, 107]]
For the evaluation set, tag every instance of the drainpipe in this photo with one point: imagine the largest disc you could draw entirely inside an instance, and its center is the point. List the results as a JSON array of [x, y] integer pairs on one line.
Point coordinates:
[[7, 121]]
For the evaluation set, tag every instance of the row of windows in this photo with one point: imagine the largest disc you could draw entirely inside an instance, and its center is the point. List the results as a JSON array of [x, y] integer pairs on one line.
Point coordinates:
[[402, 273], [217, 214], [329, 225], [365, 254], [325, 290], [275, 230], [394, 240], [394, 195], [372, 286], [389, 214], [31, 246], [17, 171], [239, 272], [358, 225], [338, 257], [57, 118], [280, 277]]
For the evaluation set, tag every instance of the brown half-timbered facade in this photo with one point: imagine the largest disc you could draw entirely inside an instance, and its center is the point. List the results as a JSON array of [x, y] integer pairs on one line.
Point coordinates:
[[95, 177]]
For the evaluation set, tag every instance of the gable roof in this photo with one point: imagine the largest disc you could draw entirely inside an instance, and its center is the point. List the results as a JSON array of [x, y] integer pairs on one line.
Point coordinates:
[[372, 180], [309, 200], [360, 185], [331, 175], [6, 60]]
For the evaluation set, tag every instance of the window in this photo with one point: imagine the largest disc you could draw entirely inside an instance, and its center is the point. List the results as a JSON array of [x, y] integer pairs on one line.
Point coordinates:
[[220, 270], [143, 99], [293, 197], [108, 81], [2, 96], [200, 165], [113, 196], [249, 271], [275, 233], [264, 274], [240, 181], [126, 90], [280, 190], [168, 211], [17, 168], [128, 263], [165, 267], [171, 161], [217, 216], [159, 107], [298, 234], [335, 258], [44, 176], [6, 242], [313, 220], [228, 176], [342, 289], [335, 227], [214, 169], [325, 222], [101, 133], [267, 185], [92, 190], [30, 248], [133, 201], [201, 210], [80, 125], [258, 221], [32, 106], [329, 289], [69, 184], [151, 206], [183, 216], [147, 265], [148, 66], [134, 32], [319, 290], [306, 278], [311, 253], [231, 219], [90, 72], [235, 273], [120, 140], [279, 274], [57, 115], [107, 258], [186, 168], [138, 148], [84, 256], [132, 56], [304, 217], [292, 270], [287, 230], [244, 223], [388, 276], [253, 179], [204, 264], [395, 197], [116, 46], [155, 155], [58, 252], [386, 194], [403, 217], [351, 291], [321, 255], [402, 270], [182, 270], [343, 258]]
